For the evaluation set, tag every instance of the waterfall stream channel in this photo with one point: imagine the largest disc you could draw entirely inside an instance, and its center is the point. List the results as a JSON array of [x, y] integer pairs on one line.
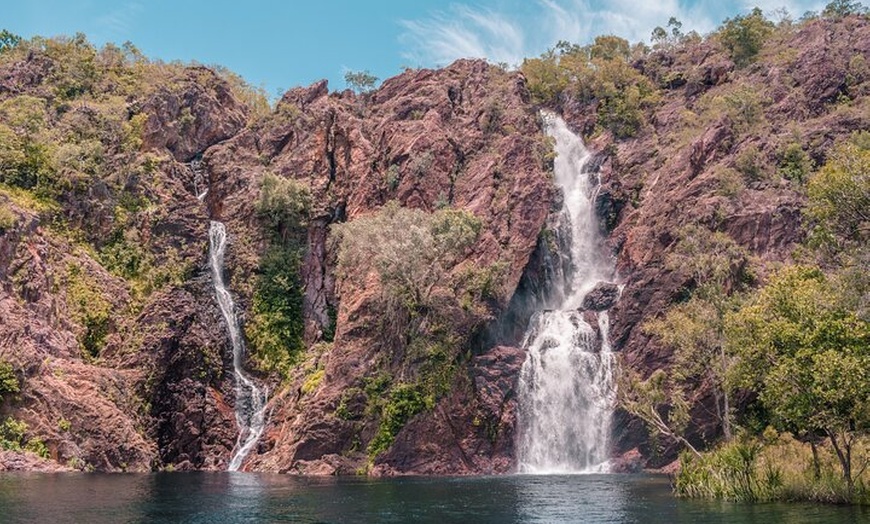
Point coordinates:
[[250, 398], [566, 389]]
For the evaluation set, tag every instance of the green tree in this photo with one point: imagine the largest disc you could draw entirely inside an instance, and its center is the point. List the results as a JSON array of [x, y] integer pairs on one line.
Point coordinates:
[[8, 40], [361, 81], [807, 356], [842, 8], [743, 36]]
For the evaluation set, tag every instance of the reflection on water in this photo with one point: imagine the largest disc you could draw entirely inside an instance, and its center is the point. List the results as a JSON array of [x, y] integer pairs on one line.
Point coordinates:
[[243, 497]]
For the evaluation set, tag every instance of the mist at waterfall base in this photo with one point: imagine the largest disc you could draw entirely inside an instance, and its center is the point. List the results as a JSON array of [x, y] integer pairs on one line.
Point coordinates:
[[233, 497], [566, 391], [250, 399]]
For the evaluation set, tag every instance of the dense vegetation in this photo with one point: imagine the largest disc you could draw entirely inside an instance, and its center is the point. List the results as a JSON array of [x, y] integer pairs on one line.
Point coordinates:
[[275, 329]]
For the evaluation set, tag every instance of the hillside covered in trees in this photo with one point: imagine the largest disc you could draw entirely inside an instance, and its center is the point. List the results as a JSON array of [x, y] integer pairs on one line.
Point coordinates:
[[388, 245]]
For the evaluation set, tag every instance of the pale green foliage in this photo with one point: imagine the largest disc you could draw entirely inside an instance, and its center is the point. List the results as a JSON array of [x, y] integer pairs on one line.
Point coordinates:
[[8, 218], [839, 197], [740, 103], [410, 250], [695, 330], [283, 206], [657, 402], [708, 257], [255, 98], [772, 467]]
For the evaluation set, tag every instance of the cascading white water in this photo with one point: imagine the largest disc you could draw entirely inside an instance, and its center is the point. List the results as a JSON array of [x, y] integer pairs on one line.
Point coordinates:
[[250, 399], [566, 389]]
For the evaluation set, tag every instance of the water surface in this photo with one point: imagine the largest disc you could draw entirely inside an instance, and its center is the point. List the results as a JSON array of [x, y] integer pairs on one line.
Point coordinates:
[[243, 497]]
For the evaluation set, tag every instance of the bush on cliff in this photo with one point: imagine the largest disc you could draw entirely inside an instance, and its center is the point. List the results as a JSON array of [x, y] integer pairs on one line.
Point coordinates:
[[8, 381], [275, 329]]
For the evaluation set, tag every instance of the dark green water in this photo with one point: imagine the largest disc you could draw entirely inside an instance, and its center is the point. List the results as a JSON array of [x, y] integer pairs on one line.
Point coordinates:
[[242, 497]]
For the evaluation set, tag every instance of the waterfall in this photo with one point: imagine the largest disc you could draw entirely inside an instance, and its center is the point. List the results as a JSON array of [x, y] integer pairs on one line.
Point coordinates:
[[566, 388], [250, 399]]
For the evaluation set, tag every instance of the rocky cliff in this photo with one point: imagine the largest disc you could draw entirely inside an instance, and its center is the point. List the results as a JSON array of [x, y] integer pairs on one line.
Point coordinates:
[[108, 315]]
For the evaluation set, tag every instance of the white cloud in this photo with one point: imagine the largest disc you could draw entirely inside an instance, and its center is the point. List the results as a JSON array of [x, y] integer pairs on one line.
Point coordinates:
[[463, 32], [467, 32]]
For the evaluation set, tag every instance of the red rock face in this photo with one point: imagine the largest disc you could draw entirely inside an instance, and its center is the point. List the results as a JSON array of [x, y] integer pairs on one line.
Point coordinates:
[[462, 136]]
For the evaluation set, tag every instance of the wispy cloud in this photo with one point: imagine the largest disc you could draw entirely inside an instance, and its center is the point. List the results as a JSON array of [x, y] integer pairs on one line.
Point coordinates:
[[463, 31], [118, 23], [510, 34]]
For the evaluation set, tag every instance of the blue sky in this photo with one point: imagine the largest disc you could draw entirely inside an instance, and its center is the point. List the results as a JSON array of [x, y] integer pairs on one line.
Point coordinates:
[[281, 44]]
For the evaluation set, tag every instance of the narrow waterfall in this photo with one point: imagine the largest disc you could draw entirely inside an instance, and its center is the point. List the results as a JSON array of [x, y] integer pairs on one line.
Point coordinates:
[[250, 399], [566, 388]]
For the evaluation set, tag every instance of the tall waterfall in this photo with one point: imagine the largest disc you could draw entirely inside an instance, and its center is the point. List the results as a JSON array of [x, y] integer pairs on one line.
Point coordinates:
[[566, 388], [250, 399]]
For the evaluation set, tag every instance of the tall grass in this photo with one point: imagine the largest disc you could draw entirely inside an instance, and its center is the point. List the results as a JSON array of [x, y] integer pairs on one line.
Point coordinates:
[[777, 469]]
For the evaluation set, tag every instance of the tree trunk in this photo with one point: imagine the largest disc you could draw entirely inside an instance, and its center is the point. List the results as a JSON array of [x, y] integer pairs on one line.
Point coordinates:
[[844, 454], [726, 405], [817, 469]]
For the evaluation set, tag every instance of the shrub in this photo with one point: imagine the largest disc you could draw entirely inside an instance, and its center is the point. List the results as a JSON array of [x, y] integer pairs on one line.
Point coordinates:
[[545, 77], [599, 73], [8, 381], [8, 218], [776, 467], [839, 196], [89, 308], [313, 381], [283, 208], [276, 329], [842, 8], [404, 401], [794, 163], [12, 434], [752, 164]]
